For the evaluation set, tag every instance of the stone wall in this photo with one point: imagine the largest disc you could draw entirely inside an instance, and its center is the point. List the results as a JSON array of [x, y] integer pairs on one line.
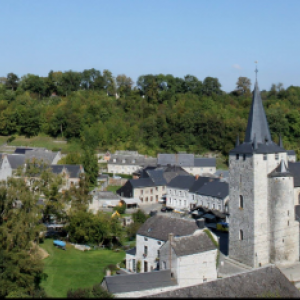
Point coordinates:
[[145, 194]]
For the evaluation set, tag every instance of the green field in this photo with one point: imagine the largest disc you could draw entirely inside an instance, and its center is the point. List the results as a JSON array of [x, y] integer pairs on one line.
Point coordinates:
[[112, 188], [46, 142], [74, 268], [3, 139]]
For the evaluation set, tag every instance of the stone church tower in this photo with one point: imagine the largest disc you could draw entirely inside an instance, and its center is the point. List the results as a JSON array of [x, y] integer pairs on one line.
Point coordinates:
[[262, 227]]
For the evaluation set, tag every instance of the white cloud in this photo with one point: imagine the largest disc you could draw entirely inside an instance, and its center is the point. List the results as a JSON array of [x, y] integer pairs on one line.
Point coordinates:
[[236, 66]]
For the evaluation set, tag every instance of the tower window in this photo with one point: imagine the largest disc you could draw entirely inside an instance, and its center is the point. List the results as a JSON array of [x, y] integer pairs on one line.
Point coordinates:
[[288, 223], [237, 156], [244, 156], [240, 178], [241, 204], [288, 212], [276, 156], [241, 235], [265, 157]]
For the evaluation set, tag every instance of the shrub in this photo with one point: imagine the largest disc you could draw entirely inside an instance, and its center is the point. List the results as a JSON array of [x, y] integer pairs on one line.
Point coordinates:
[[138, 266], [11, 138], [139, 216], [120, 209]]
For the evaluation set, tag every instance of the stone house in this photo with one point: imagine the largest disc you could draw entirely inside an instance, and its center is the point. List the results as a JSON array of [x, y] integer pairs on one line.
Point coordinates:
[[127, 162], [71, 174], [150, 238], [151, 186], [188, 192], [9, 163], [102, 200], [192, 165], [191, 259]]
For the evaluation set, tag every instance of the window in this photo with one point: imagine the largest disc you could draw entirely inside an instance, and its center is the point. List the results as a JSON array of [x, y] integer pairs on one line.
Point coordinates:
[[244, 156], [193, 197], [241, 202], [180, 202], [265, 157], [237, 156], [146, 199], [142, 192], [156, 188], [158, 253], [145, 250], [164, 265], [184, 202], [133, 265], [151, 191], [156, 197], [151, 198], [276, 156], [219, 207], [213, 206], [241, 235], [159, 242]]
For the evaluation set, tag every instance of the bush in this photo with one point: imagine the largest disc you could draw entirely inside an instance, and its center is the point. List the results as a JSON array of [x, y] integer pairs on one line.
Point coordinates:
[[11, 138], [139, 216], [96, 291], [120, 209]]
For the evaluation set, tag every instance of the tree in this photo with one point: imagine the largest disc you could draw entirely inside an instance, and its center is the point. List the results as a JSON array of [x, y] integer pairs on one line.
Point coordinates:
[[21, 270], [89, 77], [243, 86], [120, 209], [109, 82], [124, 84], [90, 164], [139, 216], [12, 81], [211, 85]]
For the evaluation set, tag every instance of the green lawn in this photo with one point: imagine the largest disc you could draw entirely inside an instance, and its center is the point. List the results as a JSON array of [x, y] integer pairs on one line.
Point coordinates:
[[46, 142], [112, 188], [3, 139], [74, 268]]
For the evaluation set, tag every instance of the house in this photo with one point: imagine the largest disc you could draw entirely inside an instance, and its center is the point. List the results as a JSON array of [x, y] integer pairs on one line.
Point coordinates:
[[183, 260], [265, 282], [188, 192], [194, 255], [150, 238], [103, 200], [292, 157], [223, 175], [9, 163], [151, 186], [195, 166], [47, 156], [71, 174], [127, 162]]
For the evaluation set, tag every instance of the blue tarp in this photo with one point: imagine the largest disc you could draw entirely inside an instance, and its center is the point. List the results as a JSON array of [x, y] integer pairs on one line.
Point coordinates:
[[59, 243]]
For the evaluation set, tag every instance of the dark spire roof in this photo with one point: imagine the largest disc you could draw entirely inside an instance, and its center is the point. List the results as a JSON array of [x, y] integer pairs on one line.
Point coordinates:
[[237, 143], [257, 121]]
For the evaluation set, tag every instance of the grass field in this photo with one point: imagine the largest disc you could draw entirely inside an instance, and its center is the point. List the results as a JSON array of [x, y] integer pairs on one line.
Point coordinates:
[[3, 139], [46, 142], [112, 188], [74, 268]]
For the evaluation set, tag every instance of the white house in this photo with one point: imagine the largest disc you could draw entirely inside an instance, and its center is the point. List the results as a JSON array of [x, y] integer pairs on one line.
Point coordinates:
[[150, 238]]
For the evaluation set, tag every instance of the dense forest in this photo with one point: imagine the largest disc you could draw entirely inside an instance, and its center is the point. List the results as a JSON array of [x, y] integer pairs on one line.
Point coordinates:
[[157, 113]]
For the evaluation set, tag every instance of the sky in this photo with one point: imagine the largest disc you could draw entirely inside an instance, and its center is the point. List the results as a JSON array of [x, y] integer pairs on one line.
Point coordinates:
[[220, 38]]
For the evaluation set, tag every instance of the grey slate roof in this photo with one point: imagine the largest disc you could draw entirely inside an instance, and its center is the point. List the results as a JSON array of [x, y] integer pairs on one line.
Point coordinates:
[[16, 160], [46, 156], [200, 182], [138, 282], [257, 131], [171, 172], [194, 244], [182, 182], [218, 189], [131, 251], [159, 227], [21, 150], [73, 170], [184, 160], [291, 152], [157, 176], [141, 182], [204, 162], [257, 120], [262, 282], [294, 168]]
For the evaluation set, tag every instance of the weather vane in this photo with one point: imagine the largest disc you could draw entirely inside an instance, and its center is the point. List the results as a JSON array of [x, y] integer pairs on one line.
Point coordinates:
[[256, 70]]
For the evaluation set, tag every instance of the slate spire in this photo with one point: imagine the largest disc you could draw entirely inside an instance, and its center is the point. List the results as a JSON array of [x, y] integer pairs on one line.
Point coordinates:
[[257, 121], [283, 168], [280, 141], [237, 142]]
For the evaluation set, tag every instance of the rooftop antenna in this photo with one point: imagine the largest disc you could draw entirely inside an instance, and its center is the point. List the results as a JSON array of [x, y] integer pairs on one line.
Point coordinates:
[[256, 71]]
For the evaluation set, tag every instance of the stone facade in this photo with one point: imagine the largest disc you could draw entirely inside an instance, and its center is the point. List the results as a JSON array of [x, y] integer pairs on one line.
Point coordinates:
[[5, 169], [149, 258], [178, 198], [200, 170], [257, 211], [149, 195]]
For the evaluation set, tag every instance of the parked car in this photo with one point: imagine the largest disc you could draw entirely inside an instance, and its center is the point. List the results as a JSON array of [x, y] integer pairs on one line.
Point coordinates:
[[163, 209]]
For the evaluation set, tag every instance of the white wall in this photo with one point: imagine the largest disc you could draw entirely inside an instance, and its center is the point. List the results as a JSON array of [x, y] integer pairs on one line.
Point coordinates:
[[178, 198], [122, 169], [200, 170], [145, 192], [5, 169]]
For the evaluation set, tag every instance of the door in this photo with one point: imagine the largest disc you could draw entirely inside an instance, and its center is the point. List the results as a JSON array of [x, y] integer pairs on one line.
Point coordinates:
[[145, 266]]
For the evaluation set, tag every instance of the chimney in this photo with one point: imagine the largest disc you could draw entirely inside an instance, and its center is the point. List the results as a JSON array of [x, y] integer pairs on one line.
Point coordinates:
[[108, 272], [171, 237], [197, 176], [200, 223]]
